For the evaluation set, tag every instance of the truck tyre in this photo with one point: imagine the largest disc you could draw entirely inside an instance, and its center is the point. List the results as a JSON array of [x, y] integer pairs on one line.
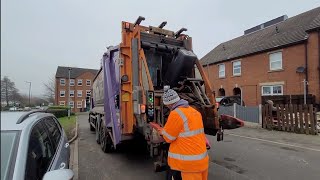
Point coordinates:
[[98, 127], [90, 121], [106, 141], [92, 128]]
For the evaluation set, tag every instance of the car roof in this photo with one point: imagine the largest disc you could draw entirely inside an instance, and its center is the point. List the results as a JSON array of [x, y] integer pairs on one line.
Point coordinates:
[[9, 119]]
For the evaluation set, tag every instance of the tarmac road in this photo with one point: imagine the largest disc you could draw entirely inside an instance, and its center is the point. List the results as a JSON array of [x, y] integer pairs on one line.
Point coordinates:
[[245, 153]]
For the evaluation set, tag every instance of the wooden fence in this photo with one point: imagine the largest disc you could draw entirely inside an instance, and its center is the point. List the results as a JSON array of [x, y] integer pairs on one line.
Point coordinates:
[[290, 117]]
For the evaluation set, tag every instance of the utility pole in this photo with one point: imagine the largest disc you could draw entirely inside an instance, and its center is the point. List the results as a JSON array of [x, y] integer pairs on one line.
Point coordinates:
[[29, 92], [69, 108]]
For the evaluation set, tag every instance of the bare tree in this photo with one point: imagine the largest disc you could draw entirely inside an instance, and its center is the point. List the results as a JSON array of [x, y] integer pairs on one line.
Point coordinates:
[[9, 92], [49, 86]]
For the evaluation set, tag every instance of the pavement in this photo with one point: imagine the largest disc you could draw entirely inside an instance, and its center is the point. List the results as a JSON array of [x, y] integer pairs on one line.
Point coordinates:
[[246, 153]]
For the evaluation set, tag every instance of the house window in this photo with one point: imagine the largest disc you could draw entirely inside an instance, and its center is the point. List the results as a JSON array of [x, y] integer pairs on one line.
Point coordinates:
[[71, 93], [88, 92], [236, 68], [62, 103], [79, 94], [222, 72], [62, 93], [79, 104], [71, 82], [79, 82], [272, 90], [275, 60], [71, 104], [88, 82], [62, 82]]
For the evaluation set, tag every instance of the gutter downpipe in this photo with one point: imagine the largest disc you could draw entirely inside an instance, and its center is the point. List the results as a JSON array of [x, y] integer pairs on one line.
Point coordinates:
[[319, 59], [306, 65]]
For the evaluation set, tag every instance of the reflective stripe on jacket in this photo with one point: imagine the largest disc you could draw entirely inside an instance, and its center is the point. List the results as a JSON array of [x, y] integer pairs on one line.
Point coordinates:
[[184, 130]]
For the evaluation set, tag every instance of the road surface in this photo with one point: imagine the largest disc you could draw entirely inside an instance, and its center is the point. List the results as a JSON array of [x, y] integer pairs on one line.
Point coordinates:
[[244, 154]]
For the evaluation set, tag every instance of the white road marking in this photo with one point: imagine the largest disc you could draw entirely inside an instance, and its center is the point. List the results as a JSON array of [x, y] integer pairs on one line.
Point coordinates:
[[274, 142]]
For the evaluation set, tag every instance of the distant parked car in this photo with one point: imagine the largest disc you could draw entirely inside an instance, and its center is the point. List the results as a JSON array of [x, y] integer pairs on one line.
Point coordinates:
[[33, 147], [230, 100], [13, 109], [218, 99], [27, 109]]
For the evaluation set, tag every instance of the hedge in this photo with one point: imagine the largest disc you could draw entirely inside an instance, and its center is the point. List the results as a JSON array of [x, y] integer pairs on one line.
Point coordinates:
[[59, 111], [58, 107]]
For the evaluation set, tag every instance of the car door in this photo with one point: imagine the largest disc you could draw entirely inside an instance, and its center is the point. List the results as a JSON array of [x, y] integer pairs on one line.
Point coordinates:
[[224, 102], [40, 153], [60, 144]]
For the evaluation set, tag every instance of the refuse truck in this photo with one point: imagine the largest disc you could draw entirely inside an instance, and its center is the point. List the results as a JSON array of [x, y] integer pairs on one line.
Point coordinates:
[[127, 91]]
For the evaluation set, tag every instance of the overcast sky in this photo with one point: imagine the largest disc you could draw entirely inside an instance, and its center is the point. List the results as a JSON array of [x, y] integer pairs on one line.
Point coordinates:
[[39, 35]]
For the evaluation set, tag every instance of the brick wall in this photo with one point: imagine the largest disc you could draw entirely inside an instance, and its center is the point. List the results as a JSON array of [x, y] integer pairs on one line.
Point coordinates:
[[83, 88], [255, 72], [313, 65]]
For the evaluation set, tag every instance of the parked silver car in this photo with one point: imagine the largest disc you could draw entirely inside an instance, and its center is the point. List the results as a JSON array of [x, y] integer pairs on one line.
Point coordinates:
[[33, 146]]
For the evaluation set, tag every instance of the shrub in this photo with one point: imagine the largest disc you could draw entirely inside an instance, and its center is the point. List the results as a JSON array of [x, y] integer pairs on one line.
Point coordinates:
[[58, 112], [58, 107]]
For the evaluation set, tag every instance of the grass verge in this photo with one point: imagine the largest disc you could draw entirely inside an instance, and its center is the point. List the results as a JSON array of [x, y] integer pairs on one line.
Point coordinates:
[[68, 125]]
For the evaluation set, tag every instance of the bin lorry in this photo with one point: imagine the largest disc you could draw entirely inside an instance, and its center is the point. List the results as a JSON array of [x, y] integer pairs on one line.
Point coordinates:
[[127, 91]]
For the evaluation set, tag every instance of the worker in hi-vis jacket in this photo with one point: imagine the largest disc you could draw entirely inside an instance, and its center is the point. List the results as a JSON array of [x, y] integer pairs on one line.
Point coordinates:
[[185, 133]]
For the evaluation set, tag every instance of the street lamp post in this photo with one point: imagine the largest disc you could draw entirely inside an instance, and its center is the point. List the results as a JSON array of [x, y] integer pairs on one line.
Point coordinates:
[[69, 108], [29, 92]]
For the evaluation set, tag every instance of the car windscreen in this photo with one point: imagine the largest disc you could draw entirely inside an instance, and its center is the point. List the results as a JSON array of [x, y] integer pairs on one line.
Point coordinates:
[[218, 99], [9, 147]]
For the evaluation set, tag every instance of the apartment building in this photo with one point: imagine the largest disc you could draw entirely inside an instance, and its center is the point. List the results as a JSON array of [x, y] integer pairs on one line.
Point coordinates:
[[80, 84]]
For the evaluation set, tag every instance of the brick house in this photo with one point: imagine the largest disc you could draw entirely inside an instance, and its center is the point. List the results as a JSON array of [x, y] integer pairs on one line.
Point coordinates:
[[80, 86], [272, 58]]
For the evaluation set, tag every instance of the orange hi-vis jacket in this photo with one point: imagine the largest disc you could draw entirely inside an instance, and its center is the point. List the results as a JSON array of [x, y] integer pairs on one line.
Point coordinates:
[[184, 130]]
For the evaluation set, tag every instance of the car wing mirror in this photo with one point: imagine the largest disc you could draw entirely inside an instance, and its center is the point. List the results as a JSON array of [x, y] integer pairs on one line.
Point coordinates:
[[229, 122], [61, 174]]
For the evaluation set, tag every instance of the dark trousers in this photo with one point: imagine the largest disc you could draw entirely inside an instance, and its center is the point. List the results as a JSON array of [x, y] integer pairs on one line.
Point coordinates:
[[176, 175]]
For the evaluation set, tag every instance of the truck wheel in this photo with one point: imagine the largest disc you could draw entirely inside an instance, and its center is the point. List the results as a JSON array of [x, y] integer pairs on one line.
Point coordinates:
[[98, 138], [91, 127], [106, 142]]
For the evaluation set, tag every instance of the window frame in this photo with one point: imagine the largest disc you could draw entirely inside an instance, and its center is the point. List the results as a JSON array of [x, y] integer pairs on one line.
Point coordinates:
[[64, 80], [233, 68], [271, 90], [60, 103], [79, 81], [71, 104], [224, 70], [78, 104], [274, 61], [63, 93], [88, 93], [88, 80], [78, 93], [70, 93], [72, 80]]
